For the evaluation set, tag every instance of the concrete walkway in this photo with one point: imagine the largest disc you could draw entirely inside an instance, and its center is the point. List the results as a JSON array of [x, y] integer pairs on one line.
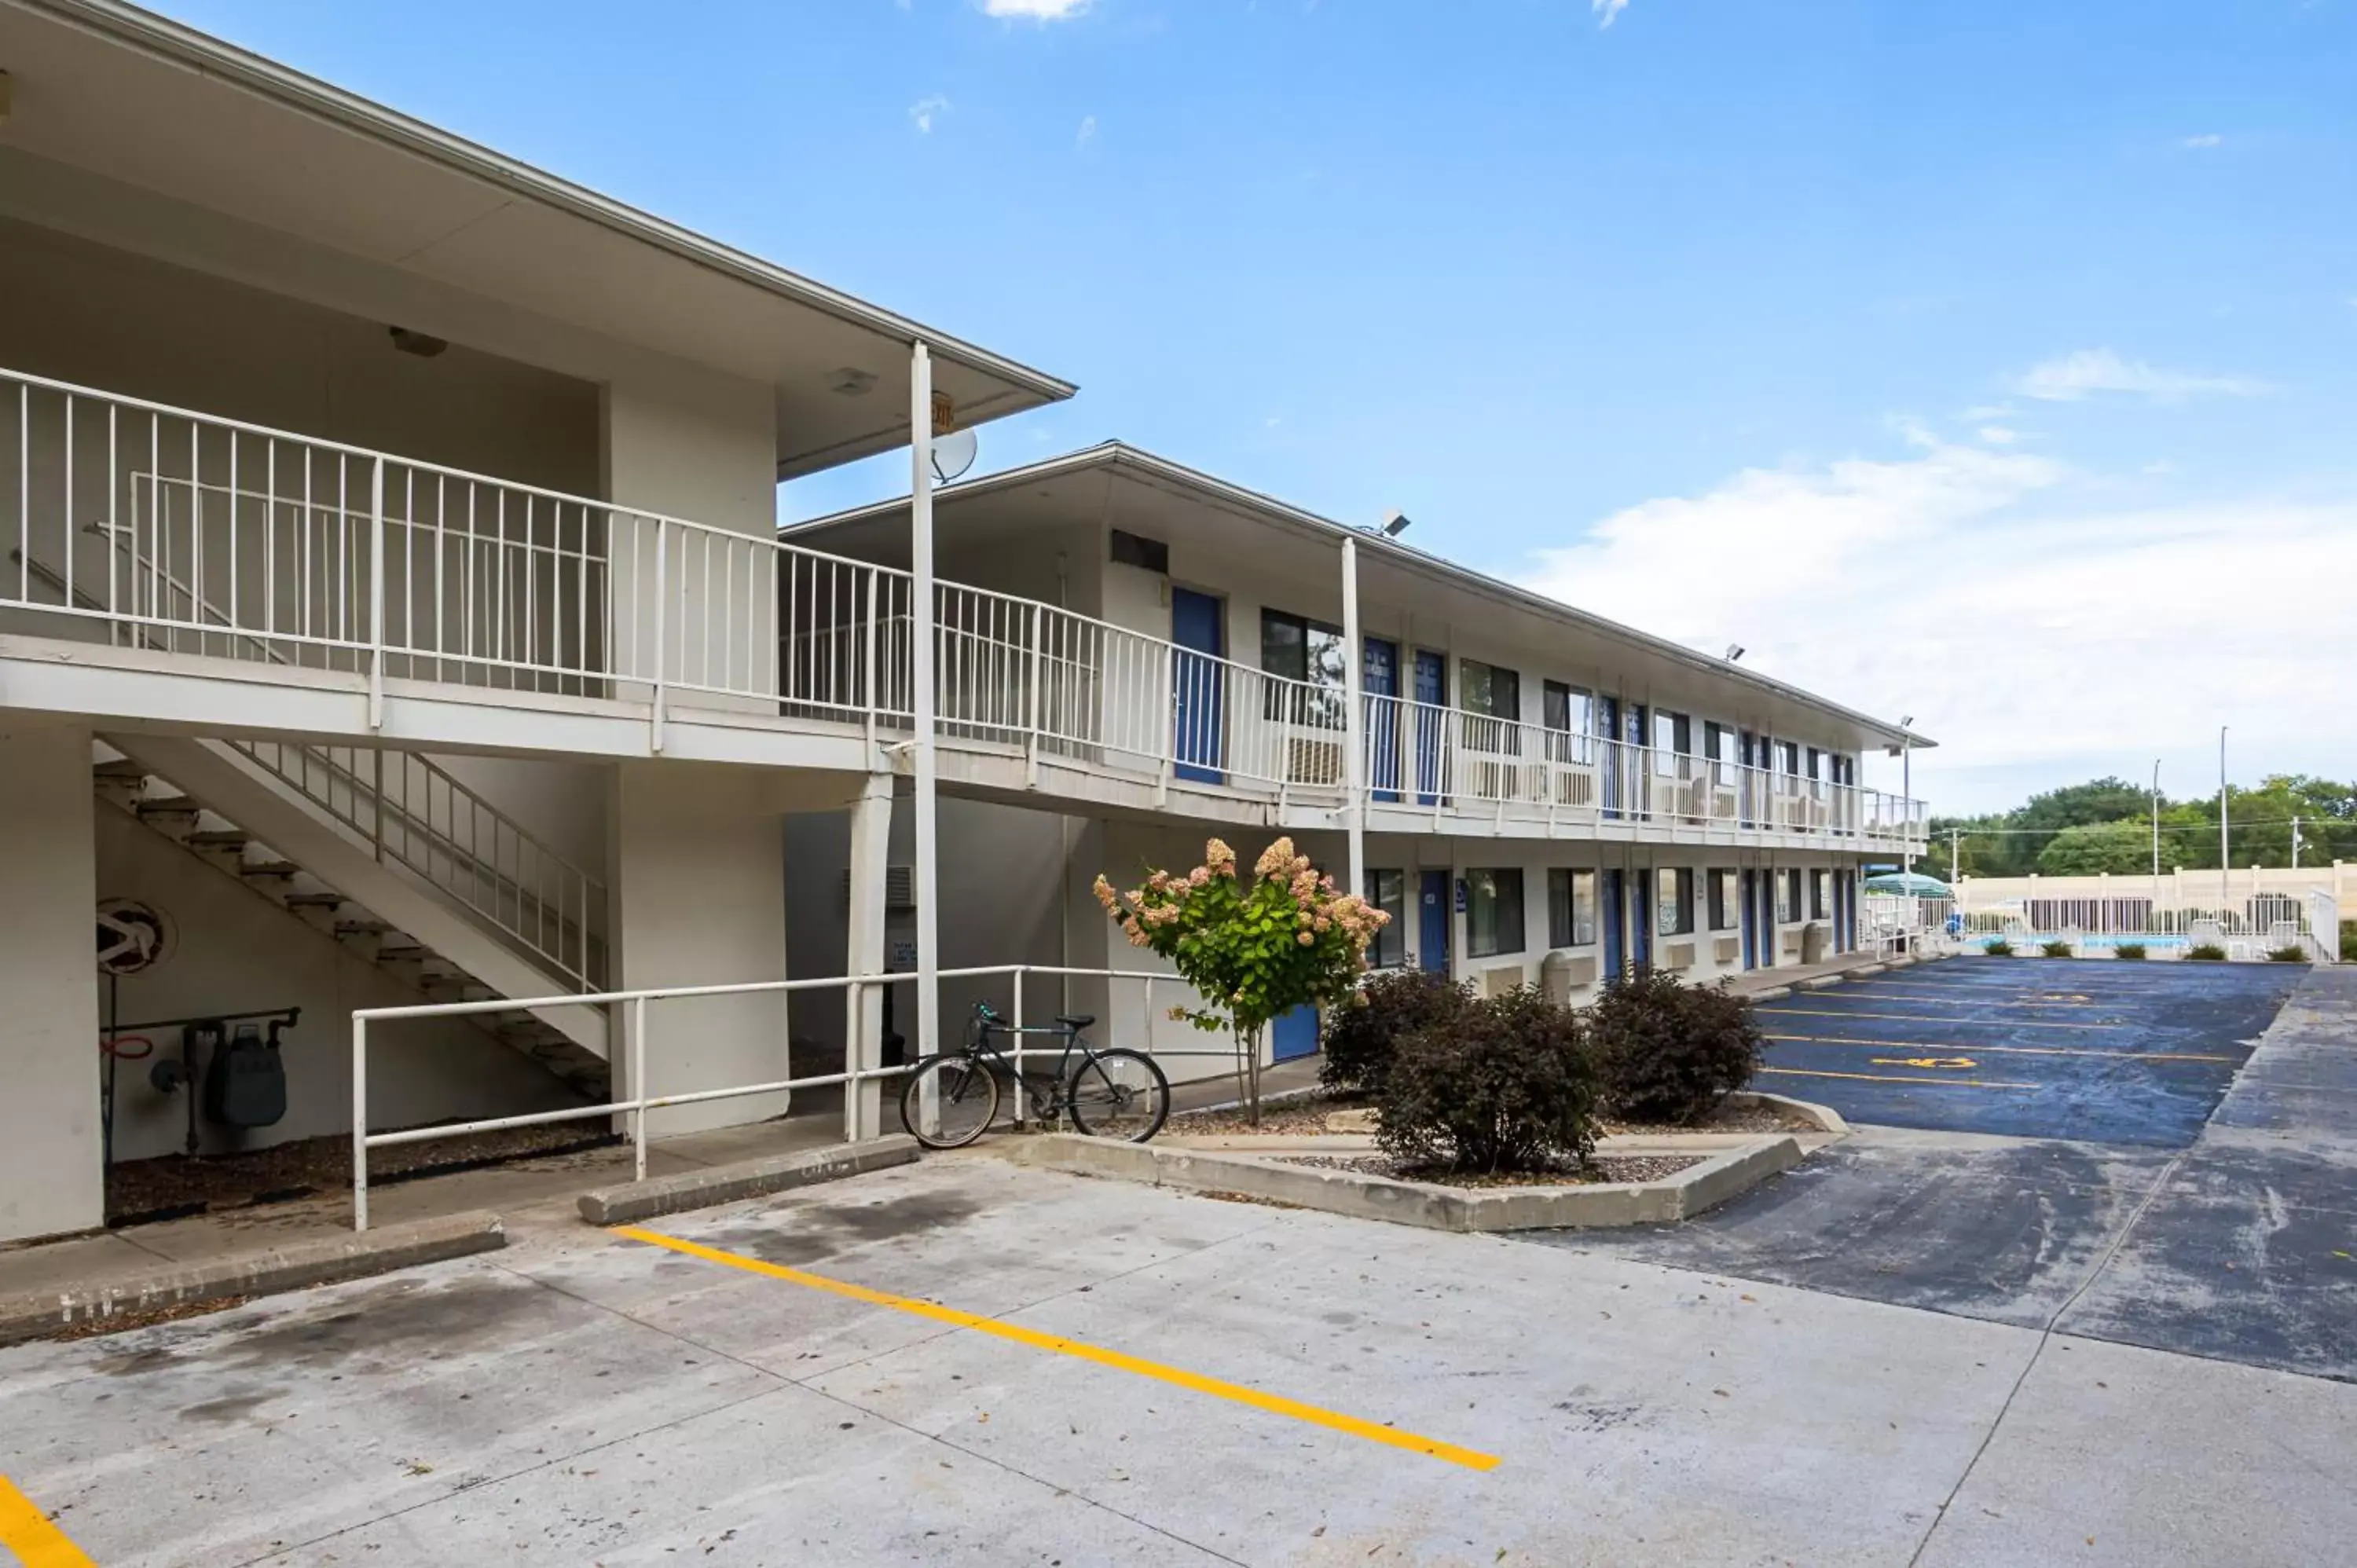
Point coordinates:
[[586, 1398]]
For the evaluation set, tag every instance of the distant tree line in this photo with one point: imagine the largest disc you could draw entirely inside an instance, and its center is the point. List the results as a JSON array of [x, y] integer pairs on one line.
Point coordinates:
[[2105, 824]]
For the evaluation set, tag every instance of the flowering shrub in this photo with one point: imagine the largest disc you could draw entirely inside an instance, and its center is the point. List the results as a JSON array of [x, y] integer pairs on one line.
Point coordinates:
[[1254, 948]]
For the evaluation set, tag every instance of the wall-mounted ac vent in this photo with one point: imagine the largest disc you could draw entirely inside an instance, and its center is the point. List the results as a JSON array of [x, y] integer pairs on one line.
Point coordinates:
[[1137, 550], [900, 888]]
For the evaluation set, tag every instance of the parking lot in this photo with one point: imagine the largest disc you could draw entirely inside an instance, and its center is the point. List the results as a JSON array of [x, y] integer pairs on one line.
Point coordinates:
[[2097, 1051], [2141, 1356]]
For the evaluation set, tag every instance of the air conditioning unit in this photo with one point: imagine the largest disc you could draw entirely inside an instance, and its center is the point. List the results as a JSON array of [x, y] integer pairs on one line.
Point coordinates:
[[900, 888]]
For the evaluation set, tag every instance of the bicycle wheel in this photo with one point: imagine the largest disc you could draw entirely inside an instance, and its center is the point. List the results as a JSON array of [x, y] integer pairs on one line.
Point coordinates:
[[1119, 1094], [949, 1101]]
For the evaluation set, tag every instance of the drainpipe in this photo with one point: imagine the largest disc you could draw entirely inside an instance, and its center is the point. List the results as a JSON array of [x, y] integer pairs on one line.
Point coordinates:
[[1354, 724], [920, 673]]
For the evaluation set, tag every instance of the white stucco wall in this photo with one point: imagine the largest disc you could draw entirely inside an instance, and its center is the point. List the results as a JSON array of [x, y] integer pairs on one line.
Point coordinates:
[[50, 1157]]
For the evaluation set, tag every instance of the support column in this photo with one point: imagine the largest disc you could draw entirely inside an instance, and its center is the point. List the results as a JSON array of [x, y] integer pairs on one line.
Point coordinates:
[[697, 874], [1355, 725], [51, 1178], [920, 670], [863, 1024]]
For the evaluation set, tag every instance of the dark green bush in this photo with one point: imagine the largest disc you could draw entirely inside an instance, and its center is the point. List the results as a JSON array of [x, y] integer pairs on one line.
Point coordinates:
[[2055, 949], [1505, 1084], [2128, 951], [1359, 1040], [2291, 952], [2208, 951], [1667, 1051], [1999, 948]]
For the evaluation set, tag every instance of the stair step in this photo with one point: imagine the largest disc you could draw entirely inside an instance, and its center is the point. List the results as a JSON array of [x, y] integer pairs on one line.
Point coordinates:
[[121, 767], [361, 928], [168, 806], [220, 838], [316, 901], [262, 868], [409, 954]]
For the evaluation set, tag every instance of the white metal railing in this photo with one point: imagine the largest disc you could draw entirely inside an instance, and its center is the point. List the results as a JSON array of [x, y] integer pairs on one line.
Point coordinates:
[[128, 516], [2247, 927], [186, 532], [414, 813], [637, 1005]]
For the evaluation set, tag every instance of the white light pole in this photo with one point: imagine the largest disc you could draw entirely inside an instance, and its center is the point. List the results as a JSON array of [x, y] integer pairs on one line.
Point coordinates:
[[921, 680], [2156, 825], [2223, 859], [1907, 793], [1355, 719]]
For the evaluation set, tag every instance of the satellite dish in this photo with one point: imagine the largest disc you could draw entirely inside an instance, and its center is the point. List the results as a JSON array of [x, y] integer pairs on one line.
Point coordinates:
[[953, 455]]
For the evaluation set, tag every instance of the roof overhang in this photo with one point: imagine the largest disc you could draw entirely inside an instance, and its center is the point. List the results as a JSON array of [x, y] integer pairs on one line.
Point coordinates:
[[138, 101], [1089, 483]]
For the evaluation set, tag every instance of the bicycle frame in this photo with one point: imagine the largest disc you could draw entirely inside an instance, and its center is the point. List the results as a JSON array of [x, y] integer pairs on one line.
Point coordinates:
[[1044, 1103]]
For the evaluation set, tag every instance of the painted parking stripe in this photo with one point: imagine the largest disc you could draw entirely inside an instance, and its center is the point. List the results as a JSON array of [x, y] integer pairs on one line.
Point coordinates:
[[25, 1530], [1373, 1432], [1916, 996], [1921, 1018], [2008, 1050], [1896, 1078]]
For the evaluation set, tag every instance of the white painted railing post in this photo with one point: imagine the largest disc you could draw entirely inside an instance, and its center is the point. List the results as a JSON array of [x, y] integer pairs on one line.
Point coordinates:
[[872, 677], [923, 613], [360, 1123], [376, 835], [655, 702], [1354, 721], [1031, 721], [639, 1085], [1017, 1053], [376, 596]]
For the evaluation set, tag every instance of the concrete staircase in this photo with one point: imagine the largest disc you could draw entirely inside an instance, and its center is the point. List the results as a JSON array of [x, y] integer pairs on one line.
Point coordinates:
[[259, 825]]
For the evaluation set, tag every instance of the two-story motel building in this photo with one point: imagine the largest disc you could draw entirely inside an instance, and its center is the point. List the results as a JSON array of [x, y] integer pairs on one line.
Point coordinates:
[[392, 610]]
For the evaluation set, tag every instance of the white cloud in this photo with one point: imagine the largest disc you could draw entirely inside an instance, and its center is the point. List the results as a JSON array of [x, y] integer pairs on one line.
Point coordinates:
[[1088, 132], [2209, 140], [1989, 410], [2073, 377], [1606, 11], [1995, 595], [1036, 10], [2000, 435], [925, 111]]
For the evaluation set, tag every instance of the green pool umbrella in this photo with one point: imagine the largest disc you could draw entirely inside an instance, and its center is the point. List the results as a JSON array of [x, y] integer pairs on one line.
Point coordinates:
[[1914, 884]]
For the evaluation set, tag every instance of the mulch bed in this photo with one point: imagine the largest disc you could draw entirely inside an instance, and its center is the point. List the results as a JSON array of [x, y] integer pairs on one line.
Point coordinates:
[[1603, 1168], [172, 1187], [1307, 1117]]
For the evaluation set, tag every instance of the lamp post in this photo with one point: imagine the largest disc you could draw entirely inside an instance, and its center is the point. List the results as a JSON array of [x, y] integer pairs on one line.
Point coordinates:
[[2223, 860], [2156, 827], [1907, 792]]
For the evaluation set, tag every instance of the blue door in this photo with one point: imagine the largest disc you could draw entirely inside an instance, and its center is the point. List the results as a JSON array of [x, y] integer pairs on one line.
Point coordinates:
[[1612, 906], [1431, 696], [1765, 920], [1198, 689], [1432, 922], [1747, 917], [1608, 725], [1294, 1034], [1381, 682], [1640, 917], [1640, 767]]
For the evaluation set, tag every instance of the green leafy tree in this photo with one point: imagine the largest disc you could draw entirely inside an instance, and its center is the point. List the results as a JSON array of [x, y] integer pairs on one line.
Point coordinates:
[[2120, 848], [1252, 947]]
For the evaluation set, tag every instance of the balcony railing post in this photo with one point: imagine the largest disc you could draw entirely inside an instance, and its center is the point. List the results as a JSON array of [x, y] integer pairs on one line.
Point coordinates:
[[662, 598], [376, 596], [1031, 725], [870, 677]]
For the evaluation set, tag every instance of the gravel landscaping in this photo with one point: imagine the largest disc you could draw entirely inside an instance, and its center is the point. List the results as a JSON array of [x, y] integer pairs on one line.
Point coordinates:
[[1603, 1169]]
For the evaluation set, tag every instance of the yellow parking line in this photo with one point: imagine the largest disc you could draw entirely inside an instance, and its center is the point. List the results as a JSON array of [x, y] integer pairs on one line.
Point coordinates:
[[1896, 1078], [25, 1530], [2008, 1050], [999, 1328]]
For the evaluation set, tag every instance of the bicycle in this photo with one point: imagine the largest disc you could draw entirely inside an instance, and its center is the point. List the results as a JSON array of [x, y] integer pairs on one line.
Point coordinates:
[[1109, 1094]]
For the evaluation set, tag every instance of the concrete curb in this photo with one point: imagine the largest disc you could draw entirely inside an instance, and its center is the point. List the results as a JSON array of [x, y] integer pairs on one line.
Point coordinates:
[[637, 1200], [1773, 993], [1827, 1119], [34, 1314], [1364, 1197], [1824, 982]]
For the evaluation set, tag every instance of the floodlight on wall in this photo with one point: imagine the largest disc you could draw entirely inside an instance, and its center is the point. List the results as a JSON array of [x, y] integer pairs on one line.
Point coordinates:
[[1734, 652], [423, 344], [1395, 523]]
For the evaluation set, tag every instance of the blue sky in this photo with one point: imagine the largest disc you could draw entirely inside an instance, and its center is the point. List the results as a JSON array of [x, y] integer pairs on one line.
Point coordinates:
[[1995, 363]]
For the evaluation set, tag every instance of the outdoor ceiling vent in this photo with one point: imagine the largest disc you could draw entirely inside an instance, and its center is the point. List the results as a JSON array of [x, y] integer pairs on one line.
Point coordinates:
[[852, 381], [424, 345]]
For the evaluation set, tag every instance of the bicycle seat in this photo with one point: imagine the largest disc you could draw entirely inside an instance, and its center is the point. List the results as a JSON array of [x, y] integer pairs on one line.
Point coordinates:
[[1076, 1020]]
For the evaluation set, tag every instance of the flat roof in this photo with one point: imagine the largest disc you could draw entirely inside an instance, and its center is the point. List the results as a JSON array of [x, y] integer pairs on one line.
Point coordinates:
[[120, 92], [1116, 459]]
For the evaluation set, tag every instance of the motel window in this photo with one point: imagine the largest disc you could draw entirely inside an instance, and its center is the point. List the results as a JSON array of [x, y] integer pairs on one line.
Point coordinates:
[[1491, 690], [1493, 912], [1301, 649], [1570, 713], [1819, 881], [1674, 894], [1788, 896], [1787, 757], [1726, 890], [1387, 891], [1571, 908], [1673, 738]]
